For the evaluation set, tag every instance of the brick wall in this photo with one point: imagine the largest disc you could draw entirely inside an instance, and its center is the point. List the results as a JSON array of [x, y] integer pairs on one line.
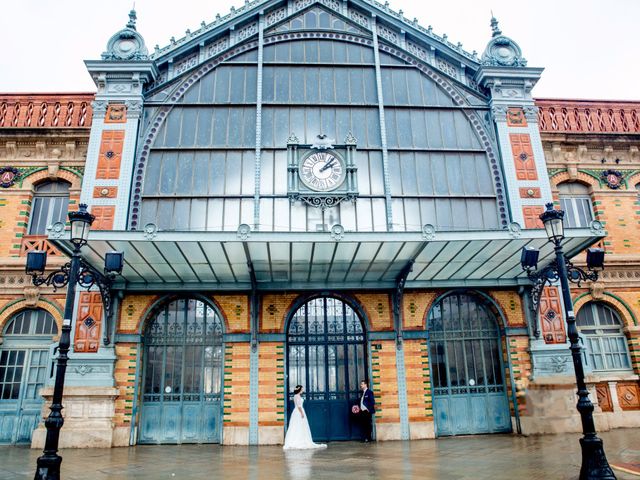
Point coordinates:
[[235, 310], [236, 385], [521, 369], [415, 307], [132, 310], [418, 376], [272, 402], [378, 310], [274, 311], [385, 381], [125, 377]]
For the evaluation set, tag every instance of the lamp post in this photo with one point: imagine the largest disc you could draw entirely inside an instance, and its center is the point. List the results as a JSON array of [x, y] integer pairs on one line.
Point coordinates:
[[74, 272], [594, 461]]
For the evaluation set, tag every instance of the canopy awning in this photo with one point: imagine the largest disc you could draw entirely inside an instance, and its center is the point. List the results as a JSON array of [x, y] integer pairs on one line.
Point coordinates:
[[303, 261]]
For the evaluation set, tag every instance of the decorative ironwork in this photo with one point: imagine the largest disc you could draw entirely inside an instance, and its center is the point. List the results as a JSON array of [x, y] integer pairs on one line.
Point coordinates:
[[88, 277], [320, 192], [549, 275], [8, 176]]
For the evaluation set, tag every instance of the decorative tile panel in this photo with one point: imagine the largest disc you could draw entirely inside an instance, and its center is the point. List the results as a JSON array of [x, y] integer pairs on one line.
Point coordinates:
[[530, 192], [105, 192], [116, 113], [110, 154], [551, 320], [532, 217], [523, 156], [629, 395], [88, 323], [516, 117], [604, 397], [104, 217]]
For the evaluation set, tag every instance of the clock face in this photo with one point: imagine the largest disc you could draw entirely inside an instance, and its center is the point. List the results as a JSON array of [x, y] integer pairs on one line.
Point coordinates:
[[322, 171]]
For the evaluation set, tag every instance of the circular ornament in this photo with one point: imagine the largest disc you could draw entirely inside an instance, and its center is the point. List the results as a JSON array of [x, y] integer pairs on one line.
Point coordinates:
[[322, 171]]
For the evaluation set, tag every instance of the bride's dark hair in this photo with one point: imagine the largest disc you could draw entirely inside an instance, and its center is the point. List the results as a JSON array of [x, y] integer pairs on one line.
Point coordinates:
[[297, 390]]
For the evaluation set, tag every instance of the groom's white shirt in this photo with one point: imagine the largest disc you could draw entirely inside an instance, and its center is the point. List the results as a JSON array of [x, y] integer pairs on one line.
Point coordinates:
[[362, 407]]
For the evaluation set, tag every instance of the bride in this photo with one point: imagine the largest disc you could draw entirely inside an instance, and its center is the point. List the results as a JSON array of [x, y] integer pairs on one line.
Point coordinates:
[[298, 435]]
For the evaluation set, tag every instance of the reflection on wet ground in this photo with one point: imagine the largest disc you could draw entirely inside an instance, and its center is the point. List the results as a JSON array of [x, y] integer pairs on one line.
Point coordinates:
[[491, 457]]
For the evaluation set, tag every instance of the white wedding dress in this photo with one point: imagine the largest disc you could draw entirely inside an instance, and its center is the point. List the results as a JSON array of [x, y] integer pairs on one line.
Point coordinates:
[[298, 435]]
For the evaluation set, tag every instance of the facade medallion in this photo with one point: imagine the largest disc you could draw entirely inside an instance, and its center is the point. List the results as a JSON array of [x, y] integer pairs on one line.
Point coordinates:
[[8, 176], [613, 178]]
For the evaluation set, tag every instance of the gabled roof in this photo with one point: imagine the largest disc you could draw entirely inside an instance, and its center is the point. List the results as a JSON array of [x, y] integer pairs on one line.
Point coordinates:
[[240, 25]]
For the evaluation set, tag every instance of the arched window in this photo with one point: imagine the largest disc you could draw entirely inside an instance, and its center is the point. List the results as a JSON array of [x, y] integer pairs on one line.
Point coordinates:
[[50, 205], [602, 329], [576, 203], [24, 366]]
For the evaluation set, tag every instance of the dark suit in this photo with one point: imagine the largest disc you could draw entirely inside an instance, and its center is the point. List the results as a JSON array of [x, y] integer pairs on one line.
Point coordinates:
[[368, 400]]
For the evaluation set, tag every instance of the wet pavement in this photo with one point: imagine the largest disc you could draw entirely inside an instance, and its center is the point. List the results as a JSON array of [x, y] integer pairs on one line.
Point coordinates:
[[479, 457]]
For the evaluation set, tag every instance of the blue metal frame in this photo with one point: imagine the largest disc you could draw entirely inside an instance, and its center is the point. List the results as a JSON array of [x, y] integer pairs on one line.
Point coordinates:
[[502, 420], [141, 364], [342, 406]]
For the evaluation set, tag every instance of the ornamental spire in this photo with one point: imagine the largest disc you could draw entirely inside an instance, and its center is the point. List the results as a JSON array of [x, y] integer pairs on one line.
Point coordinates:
[[494, 26], [132, 18]]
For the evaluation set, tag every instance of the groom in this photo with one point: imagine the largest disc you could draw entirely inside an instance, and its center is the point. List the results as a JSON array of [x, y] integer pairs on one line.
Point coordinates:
[[367, 408]]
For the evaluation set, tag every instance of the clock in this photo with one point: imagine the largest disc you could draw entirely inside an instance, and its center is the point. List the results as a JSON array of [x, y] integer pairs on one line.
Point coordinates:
[[322, 171]]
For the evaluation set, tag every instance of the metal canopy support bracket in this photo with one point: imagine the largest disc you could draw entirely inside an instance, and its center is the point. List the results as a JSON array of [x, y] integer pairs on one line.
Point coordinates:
[[398, 293]]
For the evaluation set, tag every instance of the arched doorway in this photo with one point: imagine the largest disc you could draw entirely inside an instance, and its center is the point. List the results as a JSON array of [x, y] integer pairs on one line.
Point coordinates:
[[467, 374], [24, 368], [326, 354], [182, 380]]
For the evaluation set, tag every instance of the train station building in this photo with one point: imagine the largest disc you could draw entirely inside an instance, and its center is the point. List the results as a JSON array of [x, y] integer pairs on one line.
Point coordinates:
[[316, 193]]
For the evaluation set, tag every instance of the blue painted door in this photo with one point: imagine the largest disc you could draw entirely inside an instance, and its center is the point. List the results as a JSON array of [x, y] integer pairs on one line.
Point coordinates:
[[469, 391], [181, 400], [326, 355], [24, 368]]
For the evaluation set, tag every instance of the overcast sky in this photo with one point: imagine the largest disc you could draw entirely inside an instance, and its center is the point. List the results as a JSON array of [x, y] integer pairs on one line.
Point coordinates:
[[589, 48]]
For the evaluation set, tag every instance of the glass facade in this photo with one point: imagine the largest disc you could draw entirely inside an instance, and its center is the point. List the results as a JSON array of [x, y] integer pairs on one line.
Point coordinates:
[[220, 157]]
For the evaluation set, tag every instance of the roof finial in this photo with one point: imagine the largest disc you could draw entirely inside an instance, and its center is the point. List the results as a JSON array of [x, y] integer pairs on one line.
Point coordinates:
[[494, 26], [132, 18]]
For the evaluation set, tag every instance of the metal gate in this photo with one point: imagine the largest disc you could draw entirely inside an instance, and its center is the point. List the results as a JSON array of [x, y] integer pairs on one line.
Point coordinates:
[[326, 354], [24, 367], [181, 398], [469, 391]]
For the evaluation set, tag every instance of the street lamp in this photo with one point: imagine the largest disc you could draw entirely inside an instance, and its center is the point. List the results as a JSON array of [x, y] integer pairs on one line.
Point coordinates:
[[74, 272], [594, 460]]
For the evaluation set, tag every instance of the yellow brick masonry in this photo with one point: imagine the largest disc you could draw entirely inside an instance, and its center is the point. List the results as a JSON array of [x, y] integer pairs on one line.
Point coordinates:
[[235, 310], [274, 311], [418, 377], [521, 369], [236, 384], [136, 308], [11, 220], [125, 374], [415, 308], [378, 310], [272, 402], [385, 381], [132, 311]]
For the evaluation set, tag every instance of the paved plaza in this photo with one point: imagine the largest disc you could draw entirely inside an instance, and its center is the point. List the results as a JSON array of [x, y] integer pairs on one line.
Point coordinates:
[[479, 457]]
